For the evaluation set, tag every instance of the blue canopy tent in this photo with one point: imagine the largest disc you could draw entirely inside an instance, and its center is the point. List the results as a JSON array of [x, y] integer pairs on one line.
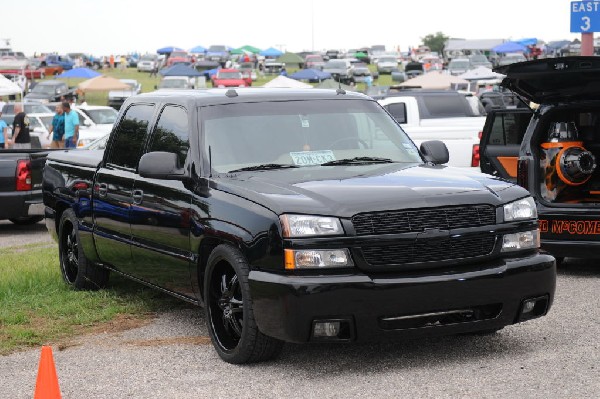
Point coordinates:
[[530, 41], [180, 70], [310, 74], [271, 52], [168, 50], [198, 50], [510, 47], [79, 73]]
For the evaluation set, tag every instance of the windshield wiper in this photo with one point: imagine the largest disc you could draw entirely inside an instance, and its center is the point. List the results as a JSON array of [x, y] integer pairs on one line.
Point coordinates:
[[265, 166], [357, 160]]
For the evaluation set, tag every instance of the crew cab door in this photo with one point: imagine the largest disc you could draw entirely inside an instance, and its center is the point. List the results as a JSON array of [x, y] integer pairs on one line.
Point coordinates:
[[501, 141], [113, 187], [160, 213]]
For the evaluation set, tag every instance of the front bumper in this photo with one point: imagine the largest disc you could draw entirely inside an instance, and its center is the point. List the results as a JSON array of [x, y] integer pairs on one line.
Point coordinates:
[[20, 204], [285, 306]]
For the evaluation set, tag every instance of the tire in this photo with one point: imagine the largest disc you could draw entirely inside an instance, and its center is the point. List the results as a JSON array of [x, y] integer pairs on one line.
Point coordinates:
[[26, 221], [77, 271], [229, 311]]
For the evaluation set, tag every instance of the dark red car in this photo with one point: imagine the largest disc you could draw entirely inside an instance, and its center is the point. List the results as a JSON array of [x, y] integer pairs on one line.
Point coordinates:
[[230, 78]]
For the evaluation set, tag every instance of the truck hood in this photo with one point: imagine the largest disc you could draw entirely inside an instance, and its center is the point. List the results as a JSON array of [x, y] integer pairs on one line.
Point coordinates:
[[554, 80], [345, 191]]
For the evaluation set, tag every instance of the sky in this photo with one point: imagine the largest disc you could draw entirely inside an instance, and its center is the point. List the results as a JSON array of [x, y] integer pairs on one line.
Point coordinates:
[[104, 27]]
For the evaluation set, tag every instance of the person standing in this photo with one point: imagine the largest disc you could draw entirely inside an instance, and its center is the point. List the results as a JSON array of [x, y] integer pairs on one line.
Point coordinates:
[[111, 60], [3, 132], [57, 128], [71, 126], [21, 138]]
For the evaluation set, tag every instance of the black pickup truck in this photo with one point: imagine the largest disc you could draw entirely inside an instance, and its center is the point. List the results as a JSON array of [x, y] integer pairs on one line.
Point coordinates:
[[553, 150], [298, 216], [21, 185]]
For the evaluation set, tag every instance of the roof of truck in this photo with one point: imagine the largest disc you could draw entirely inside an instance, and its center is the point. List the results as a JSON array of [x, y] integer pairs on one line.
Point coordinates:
[[226, 96]]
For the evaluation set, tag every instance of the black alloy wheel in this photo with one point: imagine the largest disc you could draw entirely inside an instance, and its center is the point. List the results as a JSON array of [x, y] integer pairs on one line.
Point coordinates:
[[70, 254], [226, 307]]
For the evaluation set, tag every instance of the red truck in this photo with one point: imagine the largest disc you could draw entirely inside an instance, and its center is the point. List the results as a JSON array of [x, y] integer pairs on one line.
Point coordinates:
[[230, 78]]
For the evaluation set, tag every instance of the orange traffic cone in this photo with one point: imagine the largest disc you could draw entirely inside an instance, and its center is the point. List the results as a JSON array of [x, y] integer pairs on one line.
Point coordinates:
[[46, 385]]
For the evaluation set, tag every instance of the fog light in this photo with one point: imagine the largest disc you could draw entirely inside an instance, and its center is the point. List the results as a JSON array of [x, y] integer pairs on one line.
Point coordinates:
[[326, 329], [528, 306]]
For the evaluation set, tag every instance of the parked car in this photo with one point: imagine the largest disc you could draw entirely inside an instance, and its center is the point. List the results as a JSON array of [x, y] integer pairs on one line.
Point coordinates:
[[552, 151], [458, 66], [50, 91], [314, 61], [64, 61], [175, 82], [21, 185], [29, 107], [248, 72], [296, 216], [413, 69], [230, 78], [511, 58], [117, 97], [332, 54], [443, 115], [387, 64], [360, 72], [218, 53], [479, 60], [178, 57], [340, 70], [147, 63]]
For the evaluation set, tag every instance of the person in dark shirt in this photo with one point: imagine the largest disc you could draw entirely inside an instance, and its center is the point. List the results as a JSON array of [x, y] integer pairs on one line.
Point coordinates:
[[21, 138]]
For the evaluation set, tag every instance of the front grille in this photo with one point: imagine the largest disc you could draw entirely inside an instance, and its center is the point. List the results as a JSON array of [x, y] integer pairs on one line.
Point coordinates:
[[429, 251], [417, 220]]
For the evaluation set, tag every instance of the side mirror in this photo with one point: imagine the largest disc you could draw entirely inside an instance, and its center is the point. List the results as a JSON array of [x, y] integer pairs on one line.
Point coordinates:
[[435, 151], [160, 165]]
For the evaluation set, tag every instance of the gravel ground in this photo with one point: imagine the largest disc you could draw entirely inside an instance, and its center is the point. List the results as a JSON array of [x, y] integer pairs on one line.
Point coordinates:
[[557, 356], [11, 234]]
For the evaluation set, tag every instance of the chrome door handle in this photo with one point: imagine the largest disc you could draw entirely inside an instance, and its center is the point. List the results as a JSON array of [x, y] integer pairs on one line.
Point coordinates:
[[102, 190], [138, 196]]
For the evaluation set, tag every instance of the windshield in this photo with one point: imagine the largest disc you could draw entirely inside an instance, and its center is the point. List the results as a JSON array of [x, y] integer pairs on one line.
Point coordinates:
[[148, 57], [301, 133], [102, 116], [478, 58], [181, 54], [36, 109], [173, 84], [229, 75], [335, 65], [44, 89], [217, 49], [459, 65], [388, 59]]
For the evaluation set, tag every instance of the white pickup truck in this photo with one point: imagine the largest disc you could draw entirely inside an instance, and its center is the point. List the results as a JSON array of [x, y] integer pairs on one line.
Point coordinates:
[[440, 115]]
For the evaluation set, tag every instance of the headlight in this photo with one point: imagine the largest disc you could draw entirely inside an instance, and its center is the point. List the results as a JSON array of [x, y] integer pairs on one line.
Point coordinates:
[[317, 259], [304, 226], [521, 209], [83, 142], [521, 240]]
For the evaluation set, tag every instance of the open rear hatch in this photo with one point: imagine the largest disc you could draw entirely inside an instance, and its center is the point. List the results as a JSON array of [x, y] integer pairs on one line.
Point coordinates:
[[554, 80]]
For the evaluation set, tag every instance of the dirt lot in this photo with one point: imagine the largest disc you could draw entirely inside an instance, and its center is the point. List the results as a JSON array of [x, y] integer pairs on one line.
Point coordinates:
[[171, 357]]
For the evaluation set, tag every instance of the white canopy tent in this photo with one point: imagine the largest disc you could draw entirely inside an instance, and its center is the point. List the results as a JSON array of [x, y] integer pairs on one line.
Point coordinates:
[[481, 73], [8, 87], [434, 80], [285, 82]]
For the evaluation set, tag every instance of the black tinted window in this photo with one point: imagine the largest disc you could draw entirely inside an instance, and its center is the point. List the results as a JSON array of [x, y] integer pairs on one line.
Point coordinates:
[[130, 134], [398, 111], [171, 133], [444, 106], [508, 129]]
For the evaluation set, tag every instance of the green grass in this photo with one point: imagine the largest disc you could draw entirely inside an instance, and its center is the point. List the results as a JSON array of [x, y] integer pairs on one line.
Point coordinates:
[[37, 307]]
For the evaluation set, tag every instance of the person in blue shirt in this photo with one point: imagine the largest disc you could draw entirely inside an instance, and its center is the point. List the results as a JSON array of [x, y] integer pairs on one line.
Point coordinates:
[[71, 126], [57, 128], [3, 132]]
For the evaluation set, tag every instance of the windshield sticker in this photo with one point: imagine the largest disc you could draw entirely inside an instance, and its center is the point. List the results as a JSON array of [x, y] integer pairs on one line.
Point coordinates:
[[304, 120], [307, 158]]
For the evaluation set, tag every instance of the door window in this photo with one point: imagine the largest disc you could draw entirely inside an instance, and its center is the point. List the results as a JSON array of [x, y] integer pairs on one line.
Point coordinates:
[[398, 111], [171, 133], [130, 135], [509, 128]]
